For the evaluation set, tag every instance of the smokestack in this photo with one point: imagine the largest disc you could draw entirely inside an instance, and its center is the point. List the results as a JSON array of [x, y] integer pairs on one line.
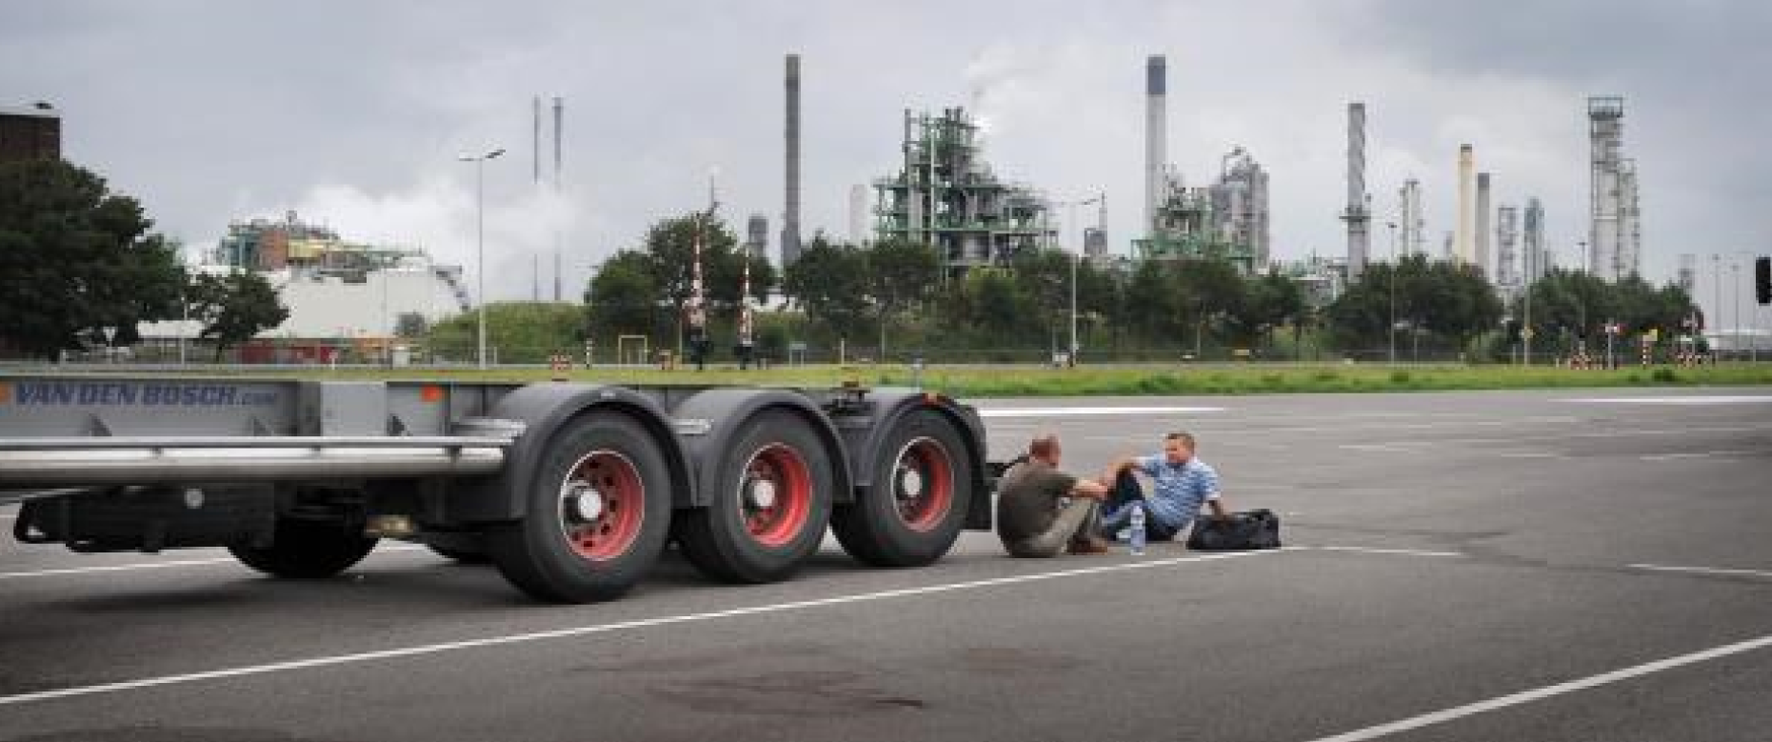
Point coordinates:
[[1462, 249], [1482, 226], [535, 118], [1357, 214], [790, 218], [1155, 136], [559, 116], [559, 123]]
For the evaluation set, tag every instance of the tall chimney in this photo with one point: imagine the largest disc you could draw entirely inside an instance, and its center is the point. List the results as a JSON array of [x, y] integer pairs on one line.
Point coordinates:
[[1155, 136], [559, 123], [535, 117], [790, 218], [1462, 249], [1357, 215], [1482, 227], [559, 117]]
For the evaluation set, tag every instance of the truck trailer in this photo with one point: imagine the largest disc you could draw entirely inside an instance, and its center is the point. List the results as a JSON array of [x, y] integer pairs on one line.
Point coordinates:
[[572, 490]]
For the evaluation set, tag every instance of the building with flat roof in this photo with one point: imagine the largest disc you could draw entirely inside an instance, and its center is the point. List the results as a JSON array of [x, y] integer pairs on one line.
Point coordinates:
[[30, 132]]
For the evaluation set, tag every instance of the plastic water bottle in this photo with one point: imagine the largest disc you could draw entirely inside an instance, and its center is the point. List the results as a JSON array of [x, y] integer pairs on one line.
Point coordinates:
[[1137, 529]]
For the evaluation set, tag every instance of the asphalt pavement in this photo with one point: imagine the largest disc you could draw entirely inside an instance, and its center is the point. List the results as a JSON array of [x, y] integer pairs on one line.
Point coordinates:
[[1556, 565]]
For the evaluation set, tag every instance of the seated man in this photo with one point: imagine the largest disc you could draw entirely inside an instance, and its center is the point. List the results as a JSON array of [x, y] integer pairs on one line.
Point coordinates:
[[1041, 509], [1181, 484]]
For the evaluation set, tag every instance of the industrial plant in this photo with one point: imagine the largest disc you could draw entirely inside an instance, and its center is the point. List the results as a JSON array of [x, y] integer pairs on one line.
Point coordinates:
[[947, 196], [337, 288], [1615, 239], [1227, 220]]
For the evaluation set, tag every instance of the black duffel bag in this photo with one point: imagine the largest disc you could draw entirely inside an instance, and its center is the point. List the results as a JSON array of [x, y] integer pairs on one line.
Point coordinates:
[[1254, 529]]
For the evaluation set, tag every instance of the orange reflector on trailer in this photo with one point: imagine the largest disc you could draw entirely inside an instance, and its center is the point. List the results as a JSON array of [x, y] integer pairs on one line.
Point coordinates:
[[431, 393]]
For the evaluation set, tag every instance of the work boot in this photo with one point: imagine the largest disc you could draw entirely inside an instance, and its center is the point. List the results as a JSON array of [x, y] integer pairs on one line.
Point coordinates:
[[1090, 545]]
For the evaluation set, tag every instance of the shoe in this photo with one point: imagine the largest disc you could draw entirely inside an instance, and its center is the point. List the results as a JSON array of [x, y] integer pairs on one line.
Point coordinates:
[[1088, 546]]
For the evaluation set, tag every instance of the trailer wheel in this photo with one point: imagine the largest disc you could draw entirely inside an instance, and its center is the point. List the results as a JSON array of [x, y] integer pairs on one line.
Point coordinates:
[[771, 501], [922, 487], [307, 549], [599, 511]]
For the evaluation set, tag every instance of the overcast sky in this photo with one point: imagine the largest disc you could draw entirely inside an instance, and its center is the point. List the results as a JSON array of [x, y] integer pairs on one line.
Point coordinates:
[[352, 113]]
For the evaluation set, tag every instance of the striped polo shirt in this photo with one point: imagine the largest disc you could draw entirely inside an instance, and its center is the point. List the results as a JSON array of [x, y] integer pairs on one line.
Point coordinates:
[[1178, 491]]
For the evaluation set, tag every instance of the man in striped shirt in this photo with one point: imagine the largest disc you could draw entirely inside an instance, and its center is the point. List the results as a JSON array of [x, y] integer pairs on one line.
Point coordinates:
[[1180, 484]]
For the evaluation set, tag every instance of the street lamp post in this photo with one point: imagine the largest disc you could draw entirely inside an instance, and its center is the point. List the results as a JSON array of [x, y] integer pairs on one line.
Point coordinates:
[[1735, 283], [1076, 258], [1716, 273], [480, 230], [1393, 288]]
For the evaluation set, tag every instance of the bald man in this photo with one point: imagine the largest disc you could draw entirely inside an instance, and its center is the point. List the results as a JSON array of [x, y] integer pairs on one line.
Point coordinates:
[[1041, 511]]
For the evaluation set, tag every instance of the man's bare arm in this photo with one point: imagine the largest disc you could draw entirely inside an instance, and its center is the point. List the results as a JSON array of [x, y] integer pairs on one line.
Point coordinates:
[[1089, 488], [1219, 511]]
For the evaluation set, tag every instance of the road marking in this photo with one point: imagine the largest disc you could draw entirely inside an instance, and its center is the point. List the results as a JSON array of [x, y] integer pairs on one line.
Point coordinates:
[[1704, 570], [1070, 411], [1531, 455], [117, 568], [1692, 455], [1538, 694], [1396, 552], [1691, 400], [136, 566], [428, 649]]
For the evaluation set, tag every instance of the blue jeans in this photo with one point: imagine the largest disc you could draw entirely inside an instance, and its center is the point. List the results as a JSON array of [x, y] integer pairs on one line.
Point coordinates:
[[1116, 512]]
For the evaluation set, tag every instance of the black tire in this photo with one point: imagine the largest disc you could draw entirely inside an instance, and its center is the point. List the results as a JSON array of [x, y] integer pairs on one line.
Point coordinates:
[[607, 554], [307, 549], [733, 539], [887, 528], [466, 548]]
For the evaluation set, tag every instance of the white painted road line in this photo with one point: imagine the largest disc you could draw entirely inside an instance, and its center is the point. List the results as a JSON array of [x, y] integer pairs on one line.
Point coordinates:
[[169, 564], [1694, 400], [494, 641], [1704, 570], [1070, 411], [1549, 691], [1393, 552], [118, 568], [1692, 455]]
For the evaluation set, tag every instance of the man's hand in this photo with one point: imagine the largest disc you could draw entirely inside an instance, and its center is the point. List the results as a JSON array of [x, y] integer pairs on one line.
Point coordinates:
[[1219, 511]]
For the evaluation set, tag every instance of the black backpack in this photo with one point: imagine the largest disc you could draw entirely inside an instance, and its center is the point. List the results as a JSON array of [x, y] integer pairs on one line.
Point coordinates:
[[1254, 529]]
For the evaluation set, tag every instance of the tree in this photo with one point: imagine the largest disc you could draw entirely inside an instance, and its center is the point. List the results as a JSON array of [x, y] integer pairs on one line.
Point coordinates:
[[623, 298], [996, 307], [899, 275], [830, 282], [1044, 277], [670, 250], [516, 331], [75, 258], [1274, 300], [234, 307], [1212, 292], [411, 325], [1153, 307], [1361, 316]]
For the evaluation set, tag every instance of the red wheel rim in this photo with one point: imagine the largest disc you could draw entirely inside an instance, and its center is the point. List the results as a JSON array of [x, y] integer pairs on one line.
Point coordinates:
[[775, 495], [923, 483], [602, 505]]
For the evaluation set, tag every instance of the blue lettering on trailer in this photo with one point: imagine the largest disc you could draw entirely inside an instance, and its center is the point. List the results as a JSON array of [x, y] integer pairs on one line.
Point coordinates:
[[119, 394]]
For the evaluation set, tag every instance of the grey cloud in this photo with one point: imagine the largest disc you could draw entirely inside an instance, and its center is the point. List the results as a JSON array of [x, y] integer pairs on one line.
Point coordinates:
[[211, 111]]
